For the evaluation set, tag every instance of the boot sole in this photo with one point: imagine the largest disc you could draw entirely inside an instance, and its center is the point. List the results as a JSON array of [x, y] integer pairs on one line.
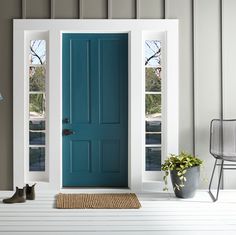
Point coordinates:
[[13, 202]]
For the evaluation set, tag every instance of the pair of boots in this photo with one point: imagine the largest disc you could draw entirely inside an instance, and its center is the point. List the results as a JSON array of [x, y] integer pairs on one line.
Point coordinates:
[[21, 195]]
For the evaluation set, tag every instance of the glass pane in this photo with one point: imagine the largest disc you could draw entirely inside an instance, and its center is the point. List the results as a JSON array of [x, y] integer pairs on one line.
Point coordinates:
[[153, 159], [37, 52], [153, 79], [37, 159], [37, 78], [36, 125], [153, 125], [152, 53], [36, 138], [153, 138], [37, 105], [153, 106]]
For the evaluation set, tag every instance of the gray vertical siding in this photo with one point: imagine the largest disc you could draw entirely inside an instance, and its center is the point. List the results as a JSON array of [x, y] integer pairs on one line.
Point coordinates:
[[123, 9], [200, 61], [8, 10], [182, 10], [94, 9], [207, 71], [38, 9], [68, 9], [152, 9], [229, 75]]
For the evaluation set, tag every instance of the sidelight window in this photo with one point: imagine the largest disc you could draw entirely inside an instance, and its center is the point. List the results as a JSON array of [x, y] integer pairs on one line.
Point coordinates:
[[153, 104], [37, 73]]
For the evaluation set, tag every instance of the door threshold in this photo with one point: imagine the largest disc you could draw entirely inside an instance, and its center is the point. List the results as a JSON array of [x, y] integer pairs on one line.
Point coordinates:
[[94, 190]]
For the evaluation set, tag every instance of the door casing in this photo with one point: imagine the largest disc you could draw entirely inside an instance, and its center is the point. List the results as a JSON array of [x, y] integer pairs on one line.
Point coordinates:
[[24, 28]]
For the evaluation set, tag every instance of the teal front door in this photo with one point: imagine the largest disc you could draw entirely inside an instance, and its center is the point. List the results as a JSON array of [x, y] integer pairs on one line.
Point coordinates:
[[95, 110]]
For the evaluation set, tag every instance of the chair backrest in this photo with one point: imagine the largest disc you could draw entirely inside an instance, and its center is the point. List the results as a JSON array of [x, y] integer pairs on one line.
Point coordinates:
[[223, 139]]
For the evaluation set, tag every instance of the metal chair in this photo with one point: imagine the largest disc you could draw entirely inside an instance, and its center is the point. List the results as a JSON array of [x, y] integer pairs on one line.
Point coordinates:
[[222, 147]]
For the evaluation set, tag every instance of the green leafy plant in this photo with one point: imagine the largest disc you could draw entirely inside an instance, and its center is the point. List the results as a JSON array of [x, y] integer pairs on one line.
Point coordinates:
[[180, 163]]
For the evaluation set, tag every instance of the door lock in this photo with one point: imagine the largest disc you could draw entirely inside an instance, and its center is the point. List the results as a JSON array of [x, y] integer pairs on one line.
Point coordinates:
[[67, 132], [65, 120]]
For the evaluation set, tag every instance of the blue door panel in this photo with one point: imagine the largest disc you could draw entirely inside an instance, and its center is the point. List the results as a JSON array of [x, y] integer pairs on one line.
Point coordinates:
[[109, 81], [110, 156], [80, 88], [80, 162], [95, 103]]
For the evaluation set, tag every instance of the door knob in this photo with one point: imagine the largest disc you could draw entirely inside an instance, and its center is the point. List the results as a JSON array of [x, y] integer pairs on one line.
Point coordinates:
[[67, 132]]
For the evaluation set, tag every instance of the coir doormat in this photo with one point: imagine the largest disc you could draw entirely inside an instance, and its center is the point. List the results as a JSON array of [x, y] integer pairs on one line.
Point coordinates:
[[97, 201]]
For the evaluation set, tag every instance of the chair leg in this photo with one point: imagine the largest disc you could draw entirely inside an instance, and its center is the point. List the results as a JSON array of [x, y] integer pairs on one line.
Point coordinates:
[[212, 174], [214, 199]]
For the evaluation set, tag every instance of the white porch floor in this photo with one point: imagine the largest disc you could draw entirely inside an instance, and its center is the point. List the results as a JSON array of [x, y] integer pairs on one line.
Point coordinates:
[[160, 214]]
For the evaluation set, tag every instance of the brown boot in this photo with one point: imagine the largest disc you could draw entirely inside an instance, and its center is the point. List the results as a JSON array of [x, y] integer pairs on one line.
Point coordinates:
[[18, 197], [30, 192]]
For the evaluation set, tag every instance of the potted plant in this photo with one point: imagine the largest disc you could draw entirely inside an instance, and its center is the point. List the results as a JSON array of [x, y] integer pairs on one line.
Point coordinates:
[[184, 172]]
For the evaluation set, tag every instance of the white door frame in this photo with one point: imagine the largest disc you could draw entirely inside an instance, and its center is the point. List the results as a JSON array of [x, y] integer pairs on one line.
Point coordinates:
[[136, 29]]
